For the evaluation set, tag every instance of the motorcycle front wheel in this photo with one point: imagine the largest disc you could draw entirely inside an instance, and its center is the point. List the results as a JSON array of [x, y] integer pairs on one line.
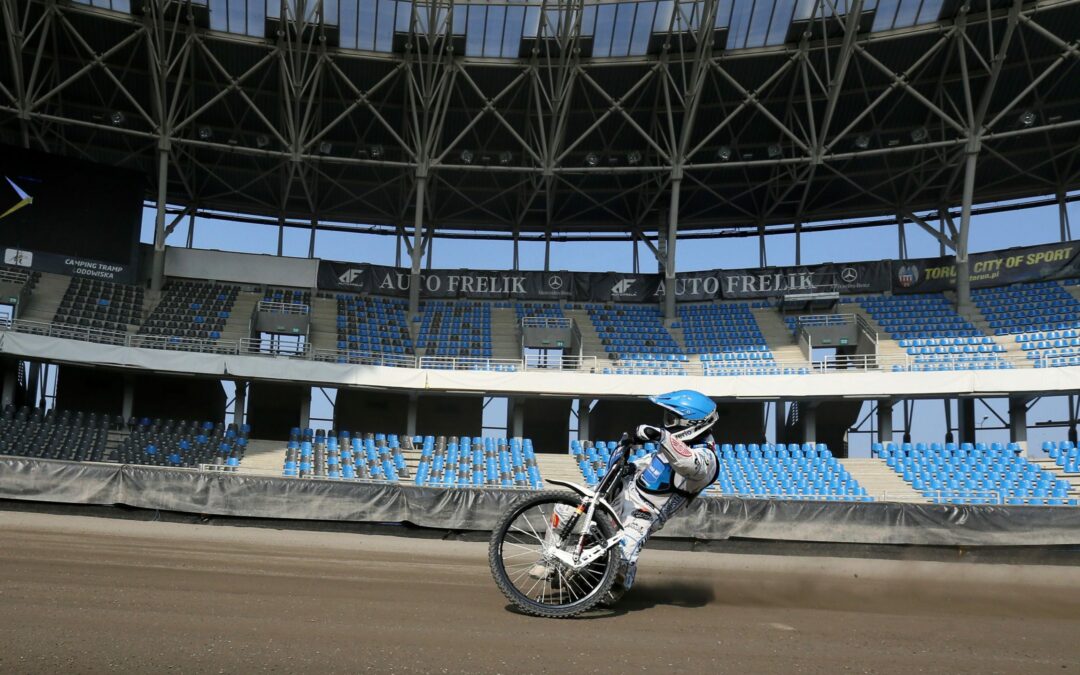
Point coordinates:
[[544, 586]]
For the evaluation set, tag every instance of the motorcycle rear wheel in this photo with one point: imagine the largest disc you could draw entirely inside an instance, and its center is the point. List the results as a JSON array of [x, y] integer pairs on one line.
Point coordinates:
[[516, 547]]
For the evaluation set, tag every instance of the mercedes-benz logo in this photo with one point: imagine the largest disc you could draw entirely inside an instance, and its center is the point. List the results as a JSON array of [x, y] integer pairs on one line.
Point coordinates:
[[555, 282], [849, 275]]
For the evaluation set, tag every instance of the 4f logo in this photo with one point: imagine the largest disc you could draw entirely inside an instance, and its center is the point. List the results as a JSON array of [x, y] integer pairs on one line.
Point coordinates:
[[349, 278], [623, 287], [24, 199]]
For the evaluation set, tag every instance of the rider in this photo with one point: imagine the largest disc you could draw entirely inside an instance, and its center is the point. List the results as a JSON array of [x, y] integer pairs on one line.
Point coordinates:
[[666, 480]]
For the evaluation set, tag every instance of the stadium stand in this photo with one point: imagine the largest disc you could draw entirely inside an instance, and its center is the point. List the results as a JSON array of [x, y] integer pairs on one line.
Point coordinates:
[[183, 443], [635, 340], [455, 329], [93, 303], [191, 310], [728, 340], [1065, 454], [291, 296], [1043, 317], [340, 455], [928, 328], [76, 437], [770, 471], [974, 474], [476, 462], [525, 310], [371, 325]]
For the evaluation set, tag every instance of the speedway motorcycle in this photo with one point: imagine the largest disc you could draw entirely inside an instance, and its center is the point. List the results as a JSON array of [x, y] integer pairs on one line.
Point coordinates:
[[577, 545]]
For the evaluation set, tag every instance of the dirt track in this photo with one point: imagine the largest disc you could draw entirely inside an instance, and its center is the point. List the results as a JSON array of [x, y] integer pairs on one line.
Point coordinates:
[[84, 594]]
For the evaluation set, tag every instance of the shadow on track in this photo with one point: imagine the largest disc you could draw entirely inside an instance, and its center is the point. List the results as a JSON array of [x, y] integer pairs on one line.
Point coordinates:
[[688, 595]]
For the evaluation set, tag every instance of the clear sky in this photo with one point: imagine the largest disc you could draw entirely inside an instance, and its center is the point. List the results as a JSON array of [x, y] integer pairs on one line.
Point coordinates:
[[988, 232]]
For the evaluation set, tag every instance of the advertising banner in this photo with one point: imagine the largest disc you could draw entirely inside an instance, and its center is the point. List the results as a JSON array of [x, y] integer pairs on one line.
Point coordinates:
[[70, 265], [858, 277], [994, 268], [479, 284]]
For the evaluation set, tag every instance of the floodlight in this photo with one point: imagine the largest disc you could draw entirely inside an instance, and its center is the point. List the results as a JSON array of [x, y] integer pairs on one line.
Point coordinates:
[[773, 151], [723, 153], [325, 147], [1027, 119], [262, 140], [117, 118], [205, 133], [919, 134], [376, 152], [505, 157], [591, 159], [633, 157], [862, 141], [466, 156]]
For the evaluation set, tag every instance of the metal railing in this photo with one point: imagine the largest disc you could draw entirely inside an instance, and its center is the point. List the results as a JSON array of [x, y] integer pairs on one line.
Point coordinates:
[[13, 276], [533, 363], [824, 320], [546, 322], [272, 307]]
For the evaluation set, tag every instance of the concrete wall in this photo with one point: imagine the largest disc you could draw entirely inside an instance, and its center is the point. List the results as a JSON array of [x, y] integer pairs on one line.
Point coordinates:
[[371, 412], [740, 423], [178, 398], [609, 419], [241, 267], [89, 390], [450, 416], [547, 423], [274, 409]]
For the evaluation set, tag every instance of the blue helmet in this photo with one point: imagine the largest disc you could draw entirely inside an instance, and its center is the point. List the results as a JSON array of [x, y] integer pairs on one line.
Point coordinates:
[[689, 413]]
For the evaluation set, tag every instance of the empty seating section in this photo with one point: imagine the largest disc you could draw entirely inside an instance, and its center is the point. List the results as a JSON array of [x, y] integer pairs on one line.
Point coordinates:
[[344, 456], [183, 443], [933, 334], [92, 303], [191, 310], [1065, 454], [288, 296], [765, 471], [371, 325], [523, 310], [634, 337], [66, 435], [974, 474], [1043, 317], [477, 462], [455, 329], [728, 340]]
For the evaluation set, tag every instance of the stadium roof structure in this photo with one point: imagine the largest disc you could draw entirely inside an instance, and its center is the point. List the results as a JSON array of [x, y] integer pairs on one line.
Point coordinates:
[[557, 118]]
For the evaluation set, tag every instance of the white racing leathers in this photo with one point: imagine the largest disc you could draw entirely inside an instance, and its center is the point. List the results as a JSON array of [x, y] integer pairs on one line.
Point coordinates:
[[662, 485]]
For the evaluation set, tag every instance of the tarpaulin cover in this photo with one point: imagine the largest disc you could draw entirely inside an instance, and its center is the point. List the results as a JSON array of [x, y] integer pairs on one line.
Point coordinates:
[[479, 509]]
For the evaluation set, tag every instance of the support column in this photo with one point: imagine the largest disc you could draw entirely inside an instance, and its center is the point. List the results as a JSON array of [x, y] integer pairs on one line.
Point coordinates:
[[808, 421], [191, 229], [798, 242], [517, 247], [418, 248], [411, 415], [547, 251], [157, 270], [1073, 410], [942, 215], [965, 419], [885, 420], [963, 271], [901, 238], [763, 254], [515, 418], [305, 409], [1063, 215], [11, 379], [780, 421], [127, 404], [311, 238], [1018, 422], [669, 262], [240, 403], [583, 414]]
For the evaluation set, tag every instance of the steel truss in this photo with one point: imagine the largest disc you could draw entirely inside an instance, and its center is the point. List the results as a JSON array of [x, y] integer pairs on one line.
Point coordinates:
[[690, 138]]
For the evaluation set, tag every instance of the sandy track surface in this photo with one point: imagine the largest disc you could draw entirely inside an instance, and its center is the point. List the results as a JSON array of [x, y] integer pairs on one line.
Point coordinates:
[[81, 594]]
